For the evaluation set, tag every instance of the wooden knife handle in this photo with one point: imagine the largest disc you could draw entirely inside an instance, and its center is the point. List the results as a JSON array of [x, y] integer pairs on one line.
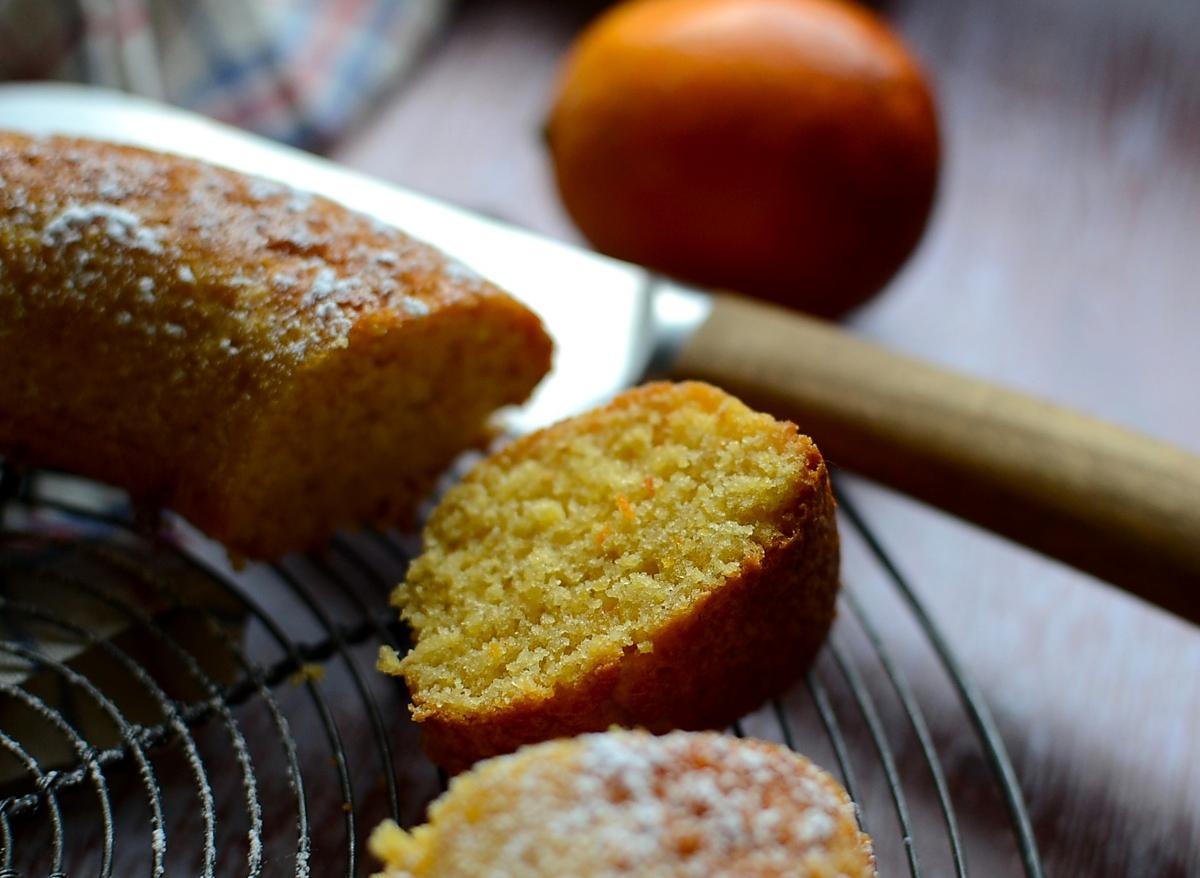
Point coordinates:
[[1123, 507]]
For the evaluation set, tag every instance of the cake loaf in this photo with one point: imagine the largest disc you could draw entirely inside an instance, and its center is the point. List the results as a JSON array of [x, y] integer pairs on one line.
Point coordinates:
[[668, 561], [686, 805], [265, 362]]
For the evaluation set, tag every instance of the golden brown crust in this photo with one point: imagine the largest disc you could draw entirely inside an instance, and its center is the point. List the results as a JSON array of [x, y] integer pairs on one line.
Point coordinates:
[[739, 645], [234, 349]]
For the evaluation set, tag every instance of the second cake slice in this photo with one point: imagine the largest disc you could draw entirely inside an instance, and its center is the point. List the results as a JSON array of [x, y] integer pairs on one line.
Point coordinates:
[[669, 560]]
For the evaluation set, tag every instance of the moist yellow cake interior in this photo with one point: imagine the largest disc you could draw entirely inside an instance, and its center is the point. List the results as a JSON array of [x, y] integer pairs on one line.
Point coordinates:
[[576, 544]]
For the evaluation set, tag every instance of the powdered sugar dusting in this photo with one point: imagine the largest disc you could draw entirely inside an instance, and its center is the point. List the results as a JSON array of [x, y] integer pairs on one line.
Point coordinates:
[[299, 202], [111, 187], [264, 190], [121, 226], [721, 810], [415, 307], [323, 284], [291, 273]]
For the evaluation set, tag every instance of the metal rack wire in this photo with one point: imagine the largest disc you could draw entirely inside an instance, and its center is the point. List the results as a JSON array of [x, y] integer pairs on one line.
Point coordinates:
[[230, 722]]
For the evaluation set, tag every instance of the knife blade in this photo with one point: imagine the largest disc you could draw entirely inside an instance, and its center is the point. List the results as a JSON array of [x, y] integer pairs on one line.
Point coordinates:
[[1116, 504]]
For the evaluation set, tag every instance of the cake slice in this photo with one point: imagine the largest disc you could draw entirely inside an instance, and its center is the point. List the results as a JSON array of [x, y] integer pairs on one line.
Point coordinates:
[[668, 560], [265, 362], [627, 803]]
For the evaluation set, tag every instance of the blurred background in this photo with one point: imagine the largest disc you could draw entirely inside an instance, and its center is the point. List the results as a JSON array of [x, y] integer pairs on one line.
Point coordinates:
[[1062, 257]]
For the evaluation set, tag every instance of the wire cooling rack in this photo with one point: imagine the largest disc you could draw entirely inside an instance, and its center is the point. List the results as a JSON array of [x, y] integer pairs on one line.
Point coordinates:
[[162, 713]]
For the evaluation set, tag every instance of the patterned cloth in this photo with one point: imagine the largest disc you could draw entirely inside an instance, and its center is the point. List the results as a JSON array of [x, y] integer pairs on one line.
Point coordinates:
[[299, 71]]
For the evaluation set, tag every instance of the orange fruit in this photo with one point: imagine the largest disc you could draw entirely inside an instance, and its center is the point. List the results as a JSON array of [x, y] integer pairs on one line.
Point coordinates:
[[782, 148]]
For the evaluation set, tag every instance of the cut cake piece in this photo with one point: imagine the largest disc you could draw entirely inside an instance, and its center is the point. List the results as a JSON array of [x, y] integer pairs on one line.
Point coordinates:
[[668, 560], [628, 803], [267, 363]]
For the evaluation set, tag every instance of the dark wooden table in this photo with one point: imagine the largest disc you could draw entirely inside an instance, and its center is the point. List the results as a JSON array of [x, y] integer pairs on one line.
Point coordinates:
[[1063, 259]]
